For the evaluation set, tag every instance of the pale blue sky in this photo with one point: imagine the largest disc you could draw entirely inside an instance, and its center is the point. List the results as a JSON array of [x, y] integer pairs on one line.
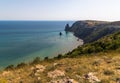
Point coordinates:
[[60, 10]]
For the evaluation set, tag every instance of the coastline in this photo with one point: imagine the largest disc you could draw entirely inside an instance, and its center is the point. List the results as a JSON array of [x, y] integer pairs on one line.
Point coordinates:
[[29, 59], [29, 39]]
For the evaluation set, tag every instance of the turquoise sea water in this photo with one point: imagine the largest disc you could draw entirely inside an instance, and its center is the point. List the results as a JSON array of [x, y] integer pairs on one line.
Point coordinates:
[[22, 41]]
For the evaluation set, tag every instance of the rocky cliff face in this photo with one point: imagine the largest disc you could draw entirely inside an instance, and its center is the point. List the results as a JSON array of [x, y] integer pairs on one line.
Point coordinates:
[[90, 31]]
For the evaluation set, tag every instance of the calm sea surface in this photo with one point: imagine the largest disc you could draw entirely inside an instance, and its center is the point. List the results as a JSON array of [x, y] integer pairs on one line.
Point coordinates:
[[22, 41]]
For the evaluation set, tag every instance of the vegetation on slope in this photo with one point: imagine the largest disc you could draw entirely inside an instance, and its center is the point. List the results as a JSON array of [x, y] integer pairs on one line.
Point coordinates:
[[107, 43], [103, 67]]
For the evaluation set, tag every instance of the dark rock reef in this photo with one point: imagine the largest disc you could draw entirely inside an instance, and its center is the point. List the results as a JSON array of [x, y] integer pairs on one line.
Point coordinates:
[[90, 30]]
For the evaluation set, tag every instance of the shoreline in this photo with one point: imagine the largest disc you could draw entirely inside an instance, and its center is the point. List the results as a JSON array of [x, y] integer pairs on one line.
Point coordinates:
[[29, 60]]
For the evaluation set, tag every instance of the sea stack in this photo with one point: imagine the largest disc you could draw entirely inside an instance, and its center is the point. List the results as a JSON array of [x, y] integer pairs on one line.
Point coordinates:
[[67, 27], [60, 33]]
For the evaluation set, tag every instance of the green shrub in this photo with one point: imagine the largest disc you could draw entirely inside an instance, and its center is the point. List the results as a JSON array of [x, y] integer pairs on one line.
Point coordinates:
[[21, 65], [46, 58], [110, 42], [59, 56], [69, 53], [36, 60], [10, 67], [108, 72]]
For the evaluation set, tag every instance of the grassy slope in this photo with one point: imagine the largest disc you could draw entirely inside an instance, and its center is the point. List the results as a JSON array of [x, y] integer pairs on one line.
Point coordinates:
[[107, 43], [106, 67], [101, 57]]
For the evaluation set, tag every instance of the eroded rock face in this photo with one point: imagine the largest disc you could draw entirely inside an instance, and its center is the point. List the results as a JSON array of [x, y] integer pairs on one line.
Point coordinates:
[[56, 73], [37, 70], [90, 30]]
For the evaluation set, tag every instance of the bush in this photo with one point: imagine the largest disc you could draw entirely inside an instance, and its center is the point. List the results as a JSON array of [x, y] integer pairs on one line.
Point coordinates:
[[36, 60], [46, 58], [110, 42], [108, 72], [69, 53], [74, 54], [59, 56], [21, 65], [96, 63], [10, 67]]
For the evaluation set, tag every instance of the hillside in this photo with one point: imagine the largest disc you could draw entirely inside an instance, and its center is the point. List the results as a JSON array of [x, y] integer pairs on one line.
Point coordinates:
[[90, 30], [107, 43], [97, 68], [96, 62]]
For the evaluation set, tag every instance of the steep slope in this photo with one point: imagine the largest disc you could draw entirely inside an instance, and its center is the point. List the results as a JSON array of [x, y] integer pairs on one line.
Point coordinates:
[[90, 31], [107, 43]]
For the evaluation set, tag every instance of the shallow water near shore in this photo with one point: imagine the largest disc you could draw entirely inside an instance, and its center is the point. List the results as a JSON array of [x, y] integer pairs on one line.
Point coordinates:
[[22, 41]]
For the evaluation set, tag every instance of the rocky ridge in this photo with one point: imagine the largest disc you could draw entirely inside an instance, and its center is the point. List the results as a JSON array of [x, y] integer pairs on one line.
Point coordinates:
[[90, 30]]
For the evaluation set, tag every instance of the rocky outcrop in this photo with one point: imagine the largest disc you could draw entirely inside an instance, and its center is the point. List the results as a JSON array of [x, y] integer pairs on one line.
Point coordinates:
[[63, 80], [92, 78], [90, 31], [56, 73], [67, 27]]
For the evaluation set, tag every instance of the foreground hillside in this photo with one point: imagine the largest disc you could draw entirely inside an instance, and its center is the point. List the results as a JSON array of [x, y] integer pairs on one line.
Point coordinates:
[[96, 62], [97, 68]]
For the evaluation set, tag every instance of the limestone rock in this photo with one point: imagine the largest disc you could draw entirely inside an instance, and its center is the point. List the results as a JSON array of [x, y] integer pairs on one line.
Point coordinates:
[[63, 80], [92, 78], [40, 68], [56, 73]]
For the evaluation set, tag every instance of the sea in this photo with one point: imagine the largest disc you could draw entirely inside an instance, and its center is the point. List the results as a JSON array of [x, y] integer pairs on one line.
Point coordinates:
[[23, 41]]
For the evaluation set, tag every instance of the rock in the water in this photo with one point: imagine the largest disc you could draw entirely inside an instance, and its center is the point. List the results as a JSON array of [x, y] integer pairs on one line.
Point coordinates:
[[60, 33]]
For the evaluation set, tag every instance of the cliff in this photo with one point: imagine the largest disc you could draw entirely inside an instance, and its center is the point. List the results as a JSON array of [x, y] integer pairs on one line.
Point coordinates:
[[91, 31]]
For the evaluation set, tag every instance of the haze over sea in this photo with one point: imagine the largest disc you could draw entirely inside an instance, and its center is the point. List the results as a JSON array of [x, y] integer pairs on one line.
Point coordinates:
[[22, 41]]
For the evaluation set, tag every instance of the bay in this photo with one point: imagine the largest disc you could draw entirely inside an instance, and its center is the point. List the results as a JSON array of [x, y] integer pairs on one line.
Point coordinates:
[[22, 41]]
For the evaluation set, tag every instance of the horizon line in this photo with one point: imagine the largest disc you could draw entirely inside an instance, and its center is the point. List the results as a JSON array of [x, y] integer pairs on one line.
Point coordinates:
[[65, 20], [38, 20]]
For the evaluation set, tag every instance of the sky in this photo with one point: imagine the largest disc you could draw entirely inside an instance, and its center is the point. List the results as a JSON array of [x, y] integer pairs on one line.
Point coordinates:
[[107, 10]]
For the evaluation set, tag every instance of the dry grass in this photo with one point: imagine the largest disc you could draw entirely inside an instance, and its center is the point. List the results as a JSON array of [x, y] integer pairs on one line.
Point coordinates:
[[106, 67]]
